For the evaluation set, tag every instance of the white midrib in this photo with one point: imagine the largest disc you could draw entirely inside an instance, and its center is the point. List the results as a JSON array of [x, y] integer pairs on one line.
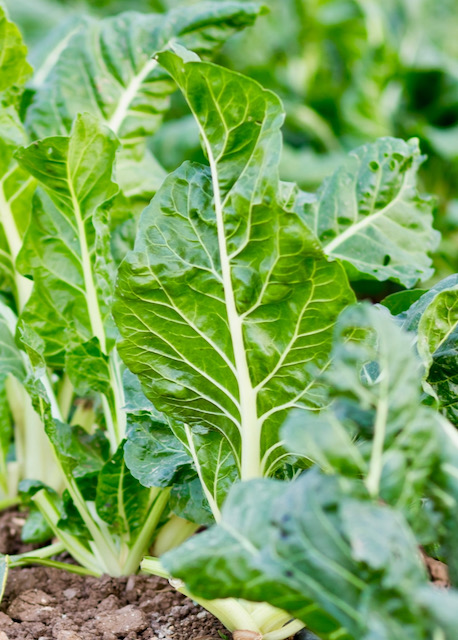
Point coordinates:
[[368, 220], [14, 240], [128, 95], [250, 426], [95, 317]]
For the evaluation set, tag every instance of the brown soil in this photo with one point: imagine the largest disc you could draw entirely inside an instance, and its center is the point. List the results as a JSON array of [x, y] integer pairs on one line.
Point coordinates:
[[48, 604]]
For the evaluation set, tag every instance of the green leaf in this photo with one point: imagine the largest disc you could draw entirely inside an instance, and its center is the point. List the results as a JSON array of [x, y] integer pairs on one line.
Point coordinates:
[[319, 549], [120, 500], [435, 319], [149, 439], [116, 79], [16, 185], [66, 247], [227, 304], [14, 68], [377, 428], [370, 214], [400, 301], [16, 189]]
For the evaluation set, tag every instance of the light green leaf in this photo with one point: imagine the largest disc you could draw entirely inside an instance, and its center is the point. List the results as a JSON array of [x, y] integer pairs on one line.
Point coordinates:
[[319, 549], [370, 214], [16, 185], [120, 500], [14, 68], [435, 319], [227, 304], [107, 67], [66, 247]]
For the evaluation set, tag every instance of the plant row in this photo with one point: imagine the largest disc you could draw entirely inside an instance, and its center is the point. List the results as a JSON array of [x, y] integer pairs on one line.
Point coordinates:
[[185, 350]]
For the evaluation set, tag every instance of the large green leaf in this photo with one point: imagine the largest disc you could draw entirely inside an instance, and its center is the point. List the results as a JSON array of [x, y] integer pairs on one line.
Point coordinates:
[[370, 214], [435, 319], [319, 549], [227, 304], [66, 248], [107, 68]]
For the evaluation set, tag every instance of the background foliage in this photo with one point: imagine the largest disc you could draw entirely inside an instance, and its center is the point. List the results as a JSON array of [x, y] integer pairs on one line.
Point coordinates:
[[347, 71]]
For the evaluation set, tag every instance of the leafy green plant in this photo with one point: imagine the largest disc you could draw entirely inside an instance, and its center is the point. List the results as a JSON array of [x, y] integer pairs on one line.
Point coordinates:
[[31, 455], [228, 302], [334, 547], [67, 361]]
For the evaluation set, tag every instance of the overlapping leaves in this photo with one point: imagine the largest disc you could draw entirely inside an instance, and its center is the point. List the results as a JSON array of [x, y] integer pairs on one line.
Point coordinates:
[[227, 304]]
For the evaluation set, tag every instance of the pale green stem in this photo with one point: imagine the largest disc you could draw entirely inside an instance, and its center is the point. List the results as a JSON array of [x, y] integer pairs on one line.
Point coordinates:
[[65, 396], [376, 461], [175, 531], [71, 543], [235, 614], [143, 539]]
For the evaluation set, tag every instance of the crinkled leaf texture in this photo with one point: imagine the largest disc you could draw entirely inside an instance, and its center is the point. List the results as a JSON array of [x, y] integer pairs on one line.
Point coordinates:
[[370, 214], [377, 428], [321, 550], [434, 317], [227, 304]]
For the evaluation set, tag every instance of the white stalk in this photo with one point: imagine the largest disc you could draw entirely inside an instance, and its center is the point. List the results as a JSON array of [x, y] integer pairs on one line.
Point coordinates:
[[250, 426], [127, 97]]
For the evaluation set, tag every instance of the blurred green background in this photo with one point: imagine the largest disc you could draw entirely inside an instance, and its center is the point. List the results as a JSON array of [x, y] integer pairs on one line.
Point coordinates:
[[348, 71]]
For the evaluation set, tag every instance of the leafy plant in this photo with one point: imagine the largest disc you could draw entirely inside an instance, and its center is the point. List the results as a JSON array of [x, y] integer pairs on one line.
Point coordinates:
[[333, 547], [105, 519], [228, 302], [31, 455]]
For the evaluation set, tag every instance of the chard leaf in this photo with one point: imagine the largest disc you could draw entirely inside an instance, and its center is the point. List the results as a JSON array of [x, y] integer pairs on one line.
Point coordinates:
[[16, 189], [370, 214], [435, 319], [227, 304], [148, 438], [117, 80], [319, 549], [14, 68], [399, 302], [107, 68], [377, 427], [66, 248], [16, 185], [120, 500]]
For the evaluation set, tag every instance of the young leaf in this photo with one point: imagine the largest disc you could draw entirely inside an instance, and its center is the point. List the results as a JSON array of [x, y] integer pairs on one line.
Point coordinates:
[[66, 249], [226, 306], [370, 214], [435, 319], [121, 501]]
